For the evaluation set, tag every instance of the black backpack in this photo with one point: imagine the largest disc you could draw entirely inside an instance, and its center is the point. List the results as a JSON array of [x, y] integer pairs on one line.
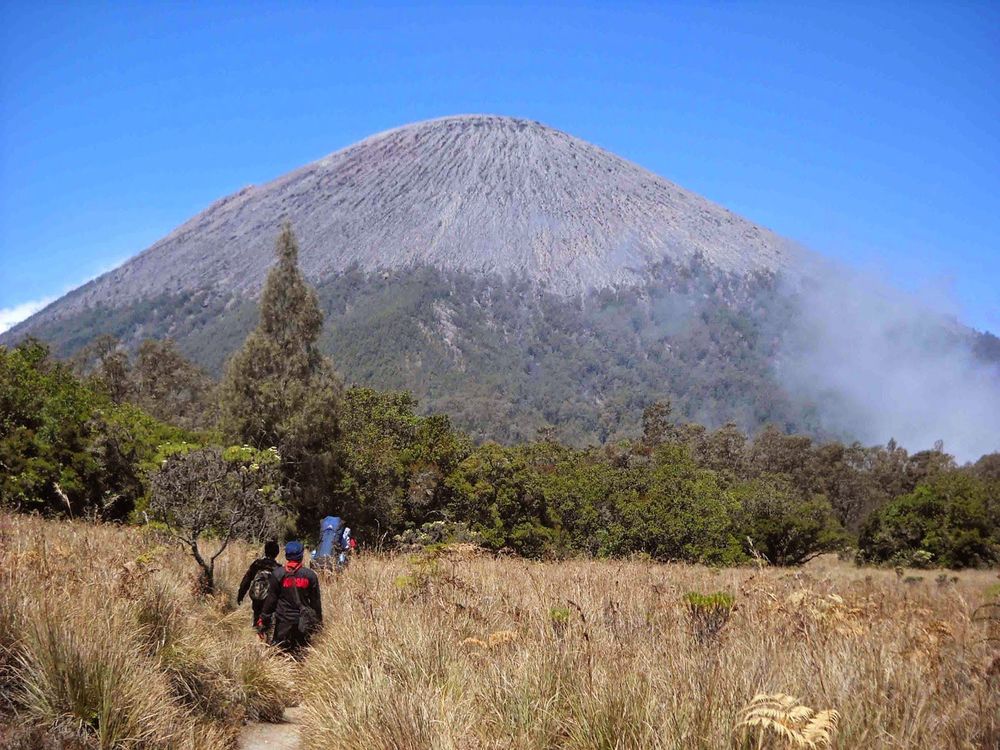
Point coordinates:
[[308, 618], [260, 585]]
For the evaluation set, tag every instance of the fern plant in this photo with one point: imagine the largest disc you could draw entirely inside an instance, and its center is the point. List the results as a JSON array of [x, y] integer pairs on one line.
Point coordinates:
[[781, 722]]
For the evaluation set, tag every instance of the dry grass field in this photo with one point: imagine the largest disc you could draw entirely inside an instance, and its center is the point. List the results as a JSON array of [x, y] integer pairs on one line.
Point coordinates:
[[103, 644], [101, 638], [469, 652]]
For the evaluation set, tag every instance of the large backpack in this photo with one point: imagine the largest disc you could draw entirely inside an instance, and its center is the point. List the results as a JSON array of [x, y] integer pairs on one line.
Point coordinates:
[[331, 536], [260, 585]]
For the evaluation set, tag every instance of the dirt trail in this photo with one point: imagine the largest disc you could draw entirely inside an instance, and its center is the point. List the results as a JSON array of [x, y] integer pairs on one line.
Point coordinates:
[[283, 736]]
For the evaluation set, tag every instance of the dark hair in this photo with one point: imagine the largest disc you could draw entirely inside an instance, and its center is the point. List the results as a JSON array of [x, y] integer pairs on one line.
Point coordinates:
[[271, 548]]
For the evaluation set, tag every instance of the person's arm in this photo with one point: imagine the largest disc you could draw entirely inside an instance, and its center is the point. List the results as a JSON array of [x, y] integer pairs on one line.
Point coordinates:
[[245, 583]]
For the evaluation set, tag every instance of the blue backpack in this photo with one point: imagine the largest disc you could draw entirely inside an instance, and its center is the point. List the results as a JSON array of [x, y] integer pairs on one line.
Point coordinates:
[[331, 536]]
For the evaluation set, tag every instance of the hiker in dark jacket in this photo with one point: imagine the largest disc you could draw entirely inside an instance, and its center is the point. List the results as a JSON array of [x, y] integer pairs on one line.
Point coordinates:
[[258, 586], [293, 602]]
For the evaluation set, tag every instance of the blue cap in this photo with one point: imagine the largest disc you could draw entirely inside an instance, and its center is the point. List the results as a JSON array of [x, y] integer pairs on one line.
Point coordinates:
[[293, 551]]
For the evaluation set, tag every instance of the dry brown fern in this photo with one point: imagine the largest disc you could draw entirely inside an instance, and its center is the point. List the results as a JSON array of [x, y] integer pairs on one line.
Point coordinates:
[[781, 722], [494, 640]]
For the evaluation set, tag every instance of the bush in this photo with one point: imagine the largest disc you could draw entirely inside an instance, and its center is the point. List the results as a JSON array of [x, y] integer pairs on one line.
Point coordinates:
[[437, 532], [66, 448], [783, 526], [683, 514], [947, 519], [709, 614]]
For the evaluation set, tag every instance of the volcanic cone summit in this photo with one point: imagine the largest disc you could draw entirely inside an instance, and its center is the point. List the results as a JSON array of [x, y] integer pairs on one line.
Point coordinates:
[[472, 193]]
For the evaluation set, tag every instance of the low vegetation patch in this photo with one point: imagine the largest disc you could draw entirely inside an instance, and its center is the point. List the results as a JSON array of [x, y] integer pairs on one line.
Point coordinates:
[[105, 644], [503, 653]]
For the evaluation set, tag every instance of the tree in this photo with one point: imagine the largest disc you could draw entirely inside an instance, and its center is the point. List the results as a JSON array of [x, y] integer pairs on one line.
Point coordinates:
[[987, 468], [105, 362], [65, 447], [279, 391], [682, 514], [172, 388], [724, 451], [495, 492], [947, 521], [209, 494], [784, 527], [394, 461], [657, 424]]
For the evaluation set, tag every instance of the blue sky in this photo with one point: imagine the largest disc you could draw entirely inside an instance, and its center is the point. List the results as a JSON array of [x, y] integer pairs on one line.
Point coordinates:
[[870, 132]]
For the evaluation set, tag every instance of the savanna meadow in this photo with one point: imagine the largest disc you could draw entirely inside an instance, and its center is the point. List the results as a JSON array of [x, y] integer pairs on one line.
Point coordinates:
[[685, 588], [108, 641]]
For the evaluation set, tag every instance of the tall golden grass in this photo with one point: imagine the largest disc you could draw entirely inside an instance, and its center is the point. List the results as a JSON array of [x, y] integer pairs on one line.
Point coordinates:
[[103, 643], [464, 651]]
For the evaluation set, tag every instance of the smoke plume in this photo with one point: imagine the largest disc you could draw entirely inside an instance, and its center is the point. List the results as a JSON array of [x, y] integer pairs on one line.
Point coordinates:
[[880, 363]]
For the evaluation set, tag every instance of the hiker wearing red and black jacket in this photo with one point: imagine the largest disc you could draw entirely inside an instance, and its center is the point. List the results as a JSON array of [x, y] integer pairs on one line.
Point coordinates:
[[257, 580], [293, 603]]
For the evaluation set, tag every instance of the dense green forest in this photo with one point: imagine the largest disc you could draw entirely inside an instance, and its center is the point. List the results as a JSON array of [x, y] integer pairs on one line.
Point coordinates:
[[88, 437], [505, 358]]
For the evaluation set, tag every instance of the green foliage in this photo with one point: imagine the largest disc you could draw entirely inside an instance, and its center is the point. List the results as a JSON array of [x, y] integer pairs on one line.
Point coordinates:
[[66, 447], [424, 571], [168, 386], [279, 391], [683, 513], [504, 358], [218, 494], [394, 461], [559, 615], [782, 525], [495, 492], [435, 533], [159, 379], [614, 368], [718, 600], [946, 521]]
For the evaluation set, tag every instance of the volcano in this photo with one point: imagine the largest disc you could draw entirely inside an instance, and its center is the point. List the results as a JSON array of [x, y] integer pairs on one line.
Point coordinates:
[[517, 278], [482, 194]]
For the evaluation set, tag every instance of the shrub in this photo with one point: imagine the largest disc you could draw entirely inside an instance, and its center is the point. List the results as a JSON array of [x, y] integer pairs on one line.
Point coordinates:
[[946, 521], [708, 614], [66, 448], [437, 532], [783, 526]]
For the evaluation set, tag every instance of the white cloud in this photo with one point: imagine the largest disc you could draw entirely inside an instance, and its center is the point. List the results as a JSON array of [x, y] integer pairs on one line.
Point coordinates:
[[10, 316]]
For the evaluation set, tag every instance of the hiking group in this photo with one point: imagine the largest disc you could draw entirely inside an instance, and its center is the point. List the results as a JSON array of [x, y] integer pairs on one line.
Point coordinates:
[[285, 599]]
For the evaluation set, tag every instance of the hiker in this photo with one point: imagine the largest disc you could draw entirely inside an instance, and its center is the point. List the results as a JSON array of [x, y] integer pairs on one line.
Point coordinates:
[[293, 603], [257, 580], [334, 543]]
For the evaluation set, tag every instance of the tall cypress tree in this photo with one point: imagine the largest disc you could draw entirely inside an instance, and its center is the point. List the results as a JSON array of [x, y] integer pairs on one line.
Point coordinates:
[[280, 391]]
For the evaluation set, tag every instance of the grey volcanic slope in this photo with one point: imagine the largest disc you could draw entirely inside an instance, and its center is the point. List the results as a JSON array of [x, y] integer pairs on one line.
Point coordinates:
[[467, 193]]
